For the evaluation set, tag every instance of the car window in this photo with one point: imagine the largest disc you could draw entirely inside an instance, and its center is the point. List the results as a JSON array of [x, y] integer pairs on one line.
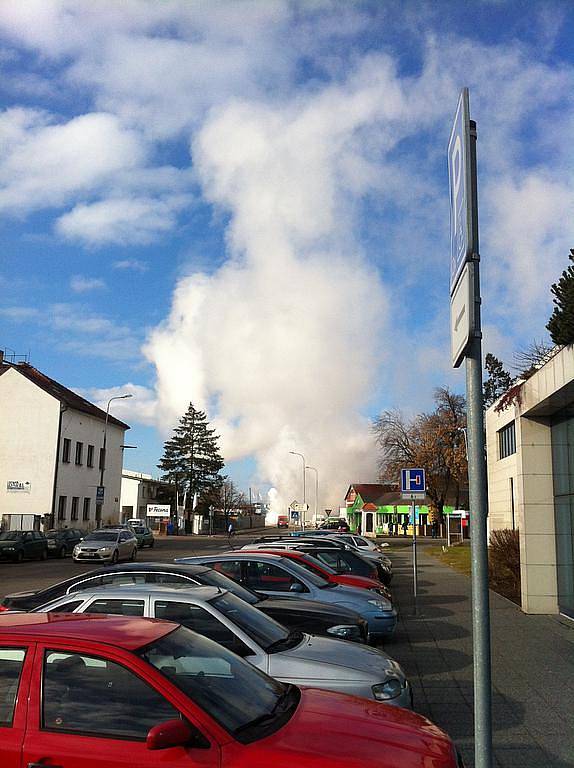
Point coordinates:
[[167, 578], [119, 579], [201, 621], [269, 577], [123, 607], [92, 583], [334, 560], [125, 535], [67, 607], [231, 568], [97, 697], [11, 662]]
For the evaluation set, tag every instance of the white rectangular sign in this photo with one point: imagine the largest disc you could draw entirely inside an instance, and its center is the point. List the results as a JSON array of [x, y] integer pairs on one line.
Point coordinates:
[[462, 315], [459, 174], [158, 510], [18, 486]]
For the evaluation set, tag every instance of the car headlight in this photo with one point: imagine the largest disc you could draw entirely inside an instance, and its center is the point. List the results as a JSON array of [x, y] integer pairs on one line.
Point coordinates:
[[51, 543], [344, 630], [9, 549], [77, 549], [381, 604], [390, 689], [104, 550]]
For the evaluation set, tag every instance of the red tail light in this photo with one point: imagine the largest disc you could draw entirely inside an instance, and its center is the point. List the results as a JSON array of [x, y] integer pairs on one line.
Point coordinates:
[[4, 608]]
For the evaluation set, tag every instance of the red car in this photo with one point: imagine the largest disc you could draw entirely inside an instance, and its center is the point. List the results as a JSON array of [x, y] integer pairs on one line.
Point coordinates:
[[81, 691], [312, 564]]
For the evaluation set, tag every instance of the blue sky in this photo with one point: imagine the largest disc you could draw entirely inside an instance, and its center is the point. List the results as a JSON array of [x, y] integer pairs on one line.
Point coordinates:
[[245, 204]]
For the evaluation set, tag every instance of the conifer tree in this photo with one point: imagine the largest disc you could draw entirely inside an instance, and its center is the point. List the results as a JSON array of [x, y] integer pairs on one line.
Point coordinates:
[[191, 457], [561, 323], [498, 382]]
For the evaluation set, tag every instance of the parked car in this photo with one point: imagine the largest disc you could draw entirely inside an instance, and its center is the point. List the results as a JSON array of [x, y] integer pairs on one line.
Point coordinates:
[[276, 575], [362, 542], [113, 690], [17, 545], [61, 542], [306, 560], [282, 521], [296, 614], [335, 524], [144, 535], [370, 567], [289, 656], [108, 545]]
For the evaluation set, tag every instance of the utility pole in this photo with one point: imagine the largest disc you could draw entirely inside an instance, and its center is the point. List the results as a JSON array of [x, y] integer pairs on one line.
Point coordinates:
[[100, 504], [304, 489], [316, 471]]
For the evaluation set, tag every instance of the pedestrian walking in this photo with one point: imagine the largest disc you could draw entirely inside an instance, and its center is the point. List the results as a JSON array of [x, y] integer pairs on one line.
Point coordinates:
[[404, 526], [435, 529]]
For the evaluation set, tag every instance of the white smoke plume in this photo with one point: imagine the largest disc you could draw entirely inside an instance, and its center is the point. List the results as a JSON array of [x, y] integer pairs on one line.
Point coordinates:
[[280, 344]]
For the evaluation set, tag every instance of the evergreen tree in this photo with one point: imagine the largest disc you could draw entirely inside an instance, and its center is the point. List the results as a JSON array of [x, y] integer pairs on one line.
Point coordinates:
[[498, 382], [191, 457], [561, 323]]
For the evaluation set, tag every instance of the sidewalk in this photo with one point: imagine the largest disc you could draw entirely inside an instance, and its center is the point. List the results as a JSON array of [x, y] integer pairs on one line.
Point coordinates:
[[532, 660]]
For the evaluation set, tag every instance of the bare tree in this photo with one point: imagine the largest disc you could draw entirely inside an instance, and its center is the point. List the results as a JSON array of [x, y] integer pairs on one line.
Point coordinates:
[[530, 358]]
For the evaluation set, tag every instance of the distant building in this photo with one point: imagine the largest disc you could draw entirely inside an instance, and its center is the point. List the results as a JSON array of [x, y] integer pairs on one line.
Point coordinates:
[[530, 464], [378, 509], [50, 453], [139, 491]]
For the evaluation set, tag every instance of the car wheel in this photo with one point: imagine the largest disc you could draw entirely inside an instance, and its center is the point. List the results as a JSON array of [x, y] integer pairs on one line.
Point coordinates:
[[44, 555], [115, 557], [152, 543], [62, 552], [19, 556], [134, 554]]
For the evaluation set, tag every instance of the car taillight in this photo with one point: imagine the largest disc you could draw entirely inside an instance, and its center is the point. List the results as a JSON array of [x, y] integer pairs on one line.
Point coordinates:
[[3, 608]]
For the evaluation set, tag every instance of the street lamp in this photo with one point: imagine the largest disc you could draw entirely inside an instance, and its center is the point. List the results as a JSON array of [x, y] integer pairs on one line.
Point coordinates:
[[316, 471], [304, 492], [103, 454]]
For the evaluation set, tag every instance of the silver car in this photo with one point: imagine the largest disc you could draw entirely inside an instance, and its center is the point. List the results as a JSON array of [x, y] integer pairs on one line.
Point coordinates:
[[107, 545], [290, 656]]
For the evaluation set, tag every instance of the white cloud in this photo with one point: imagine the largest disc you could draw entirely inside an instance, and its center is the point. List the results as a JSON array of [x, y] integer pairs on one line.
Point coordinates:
[[82, 284], [134, 265], [46, 165], [120, 220], [141, 407]]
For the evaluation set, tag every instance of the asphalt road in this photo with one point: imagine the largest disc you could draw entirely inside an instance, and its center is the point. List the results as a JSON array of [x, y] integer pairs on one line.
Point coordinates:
[[36, 574]]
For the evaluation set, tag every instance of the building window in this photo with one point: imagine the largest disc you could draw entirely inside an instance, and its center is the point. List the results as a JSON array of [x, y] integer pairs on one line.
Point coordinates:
[[79, 453], [62, 507], [90, 457], [86, 510], [506, 441], [66, 450], [74, 511]]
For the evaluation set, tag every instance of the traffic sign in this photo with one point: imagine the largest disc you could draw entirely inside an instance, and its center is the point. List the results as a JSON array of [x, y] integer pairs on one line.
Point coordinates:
[[100, 494], [459, 173], [462, 318], [413, 484], [297, 507]]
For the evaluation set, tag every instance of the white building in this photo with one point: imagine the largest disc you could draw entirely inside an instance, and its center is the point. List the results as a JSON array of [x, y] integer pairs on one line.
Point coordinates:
[[530, 462], [50, 451], [140, 490]]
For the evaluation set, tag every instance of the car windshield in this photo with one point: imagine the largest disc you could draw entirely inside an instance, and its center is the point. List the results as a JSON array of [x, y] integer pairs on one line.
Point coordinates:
[[102, 536], [53, 534], [213, 578], [138, 529], [245, 701], [10, 536], [266, 632]]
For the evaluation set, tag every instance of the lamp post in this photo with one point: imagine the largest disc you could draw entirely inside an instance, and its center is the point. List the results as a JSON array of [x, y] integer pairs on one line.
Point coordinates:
[[316, 471], [304, 492], [103, 456]]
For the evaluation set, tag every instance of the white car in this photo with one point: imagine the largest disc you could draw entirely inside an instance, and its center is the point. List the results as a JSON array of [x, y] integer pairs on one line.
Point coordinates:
[[290, 656]]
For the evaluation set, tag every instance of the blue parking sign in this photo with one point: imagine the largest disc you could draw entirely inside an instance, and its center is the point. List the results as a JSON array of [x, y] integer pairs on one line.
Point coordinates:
[[413, 481]]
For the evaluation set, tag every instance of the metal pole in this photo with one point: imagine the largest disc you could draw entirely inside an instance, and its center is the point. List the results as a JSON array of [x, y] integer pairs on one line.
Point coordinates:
[[316, 471], [304, 491], [479, 507], [103, 457], [415, 556]]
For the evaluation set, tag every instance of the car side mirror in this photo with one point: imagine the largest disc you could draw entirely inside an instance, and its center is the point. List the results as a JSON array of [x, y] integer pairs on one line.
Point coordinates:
[[296, 587], [171, 733]]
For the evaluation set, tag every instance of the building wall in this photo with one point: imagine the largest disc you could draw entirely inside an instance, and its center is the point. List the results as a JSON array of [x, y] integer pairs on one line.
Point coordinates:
[[500, 472], [80, 480], [28, 434]]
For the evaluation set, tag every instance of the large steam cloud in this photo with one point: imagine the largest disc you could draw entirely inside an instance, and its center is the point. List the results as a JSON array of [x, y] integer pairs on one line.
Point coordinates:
[[280, 343]]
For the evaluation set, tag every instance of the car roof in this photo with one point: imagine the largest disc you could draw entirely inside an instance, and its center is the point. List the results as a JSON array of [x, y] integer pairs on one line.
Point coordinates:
[[128, 632], [131, 591]]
